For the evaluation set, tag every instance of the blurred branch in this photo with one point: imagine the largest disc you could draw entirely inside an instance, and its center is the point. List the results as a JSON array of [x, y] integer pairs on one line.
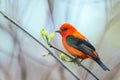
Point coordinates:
[[5, 73], [22, 66], [50, 3], [41, 45]]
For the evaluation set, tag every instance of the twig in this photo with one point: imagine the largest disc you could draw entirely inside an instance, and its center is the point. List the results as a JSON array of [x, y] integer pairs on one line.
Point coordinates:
[[79, 64], [12, 21]]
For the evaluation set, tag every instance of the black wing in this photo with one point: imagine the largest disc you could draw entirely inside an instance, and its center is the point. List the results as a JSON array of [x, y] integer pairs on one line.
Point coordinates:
[[81, 45]]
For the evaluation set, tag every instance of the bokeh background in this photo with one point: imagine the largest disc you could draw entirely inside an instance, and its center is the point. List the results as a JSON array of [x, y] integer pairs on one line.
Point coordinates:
[[21, 57]]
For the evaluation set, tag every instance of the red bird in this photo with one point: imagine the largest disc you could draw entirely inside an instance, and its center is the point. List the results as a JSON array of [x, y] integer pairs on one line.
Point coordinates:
[[78, 45]]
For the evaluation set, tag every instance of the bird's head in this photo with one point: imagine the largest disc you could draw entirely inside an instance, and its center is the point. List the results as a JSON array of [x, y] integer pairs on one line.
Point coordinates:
[[66, 29]]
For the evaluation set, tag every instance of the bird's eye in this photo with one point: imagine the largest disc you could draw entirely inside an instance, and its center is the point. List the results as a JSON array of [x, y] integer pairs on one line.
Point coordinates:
[[66, 29]]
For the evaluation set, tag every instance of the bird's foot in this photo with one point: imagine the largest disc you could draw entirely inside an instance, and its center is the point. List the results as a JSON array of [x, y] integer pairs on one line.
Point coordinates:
[[75, 60], [80, 62]]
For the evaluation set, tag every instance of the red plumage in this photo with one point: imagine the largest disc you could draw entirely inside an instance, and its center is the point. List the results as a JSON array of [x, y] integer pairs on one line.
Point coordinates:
[[78, 45]]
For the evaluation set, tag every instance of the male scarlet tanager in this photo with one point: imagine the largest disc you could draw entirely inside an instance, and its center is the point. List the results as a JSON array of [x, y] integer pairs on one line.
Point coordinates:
[[78, 45]]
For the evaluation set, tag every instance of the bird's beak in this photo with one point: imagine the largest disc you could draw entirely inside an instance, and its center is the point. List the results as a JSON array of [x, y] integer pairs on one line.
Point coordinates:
[[58, 31]]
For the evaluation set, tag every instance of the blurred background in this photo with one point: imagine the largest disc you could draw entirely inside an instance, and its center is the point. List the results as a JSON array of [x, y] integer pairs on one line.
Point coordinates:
[[21, 57]]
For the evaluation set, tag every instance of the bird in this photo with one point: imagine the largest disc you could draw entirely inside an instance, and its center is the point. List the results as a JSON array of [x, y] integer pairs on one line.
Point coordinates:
[[78, 45]]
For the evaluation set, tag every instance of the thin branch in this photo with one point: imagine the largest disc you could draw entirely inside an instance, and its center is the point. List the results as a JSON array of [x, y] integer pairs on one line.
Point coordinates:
[[12, 21], [79, 64]]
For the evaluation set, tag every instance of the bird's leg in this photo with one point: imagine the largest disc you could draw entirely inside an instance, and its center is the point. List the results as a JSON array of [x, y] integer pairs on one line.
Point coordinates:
[[80, 62], [75, 60]]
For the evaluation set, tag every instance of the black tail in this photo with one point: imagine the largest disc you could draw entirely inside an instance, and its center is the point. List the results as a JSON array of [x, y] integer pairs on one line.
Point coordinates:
[[102, 64]]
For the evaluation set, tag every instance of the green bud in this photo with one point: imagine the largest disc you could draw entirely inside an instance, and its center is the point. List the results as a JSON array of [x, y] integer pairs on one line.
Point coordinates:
[[43, 32], [45, 54], [52, 35]]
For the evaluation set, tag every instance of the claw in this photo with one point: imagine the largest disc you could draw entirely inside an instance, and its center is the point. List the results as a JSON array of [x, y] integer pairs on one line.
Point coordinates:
[[80, 62], [75, 60]]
